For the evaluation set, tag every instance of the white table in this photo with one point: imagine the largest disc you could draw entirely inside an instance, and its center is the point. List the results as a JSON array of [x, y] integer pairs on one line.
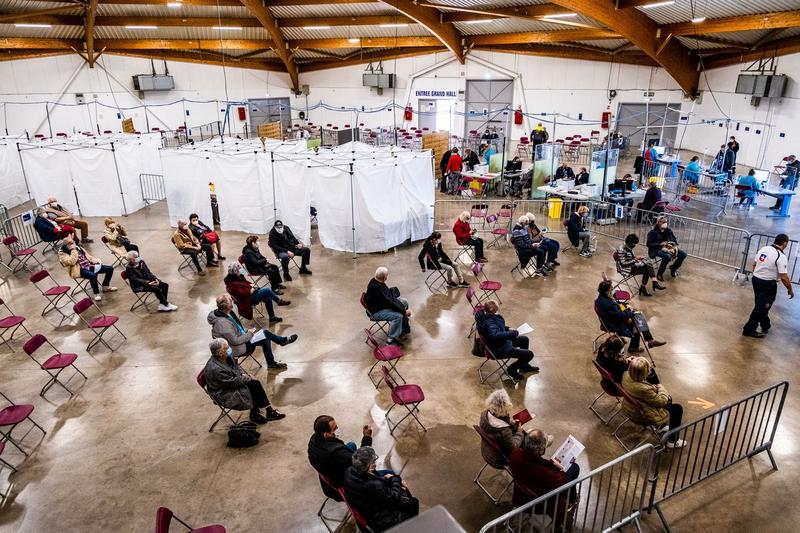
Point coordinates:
[[553, 191]]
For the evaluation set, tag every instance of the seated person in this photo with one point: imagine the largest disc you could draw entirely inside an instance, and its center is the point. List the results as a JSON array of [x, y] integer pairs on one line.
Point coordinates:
[[630, 263], [187, 244], [538, 475], [504, 342], [565, 172], [582, 178], [651, 200], [465, 236], [285, 246], [48, 229], [611, 358], [80, 264], [232, 388], [117, 238], [693, 171], [383, 500], [205, 234], [661, 242], [258, 265], [329, 455], [247, 296], [62, 215], [656, 402], [470, 159], [551, 246], [577, 233], [226, 325], [438, 260], [526, 248], [497, 423], [384, 303], [749, 194], [621, 321], [788, 178], [141, 279]]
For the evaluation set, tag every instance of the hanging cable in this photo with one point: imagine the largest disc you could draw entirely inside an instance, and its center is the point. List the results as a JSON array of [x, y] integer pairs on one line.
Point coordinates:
[[219, 31], [108, 79]]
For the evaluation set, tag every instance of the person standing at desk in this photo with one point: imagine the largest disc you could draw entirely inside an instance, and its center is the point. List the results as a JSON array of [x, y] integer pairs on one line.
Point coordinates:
[[769, 266], [733, 146], [470, 159]]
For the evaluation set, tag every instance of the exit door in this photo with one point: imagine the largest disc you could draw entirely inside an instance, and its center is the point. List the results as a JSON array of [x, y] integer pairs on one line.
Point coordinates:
[[427, 114]]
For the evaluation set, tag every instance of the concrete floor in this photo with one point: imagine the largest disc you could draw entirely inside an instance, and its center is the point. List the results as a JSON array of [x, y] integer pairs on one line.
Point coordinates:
[[135, 436]]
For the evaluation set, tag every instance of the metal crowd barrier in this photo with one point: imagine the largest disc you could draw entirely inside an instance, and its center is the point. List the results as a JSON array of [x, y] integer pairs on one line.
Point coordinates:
[[152, 187], [757, 241], [608, 497], [716, 442], [21, 226]]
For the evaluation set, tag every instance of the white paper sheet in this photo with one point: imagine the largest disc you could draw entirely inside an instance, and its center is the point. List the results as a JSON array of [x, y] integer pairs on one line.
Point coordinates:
[[525, 328], [258, 336], [569, 450]]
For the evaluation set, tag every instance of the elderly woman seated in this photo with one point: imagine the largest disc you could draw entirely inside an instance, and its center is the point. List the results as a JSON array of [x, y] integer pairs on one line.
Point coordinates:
[[657, 406], [247, 296], [117, 238], [141, 279], [205, 234], [383, 500], [49, 230], [496, 422], [613, 360], [258, 265], [465, 236], [551, 246], [187, 244], [232, 388]]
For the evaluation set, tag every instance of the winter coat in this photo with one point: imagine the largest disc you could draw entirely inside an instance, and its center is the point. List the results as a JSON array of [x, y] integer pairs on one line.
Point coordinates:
[[462, 231], [226, 383], [565, 173], [199, 229], [112, 235], [495, 333], [437, 256], [652, 398], [242, 292], [574, 227], [330, 457], [183, 241], [615, 319], [471, 161], [282, 242], [382, 502], [454, 164], [222, 326], [654, 239], [521, 238], [69, 260], [443, 162], [380, 296], [139, 276], [506, 436], [651, 197], [540, 476], [254, 261], [46, 229]]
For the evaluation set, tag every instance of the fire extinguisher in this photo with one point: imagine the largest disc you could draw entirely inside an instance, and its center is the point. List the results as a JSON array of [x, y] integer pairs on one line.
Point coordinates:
[[606, 118], [518, 116], [408, 114]]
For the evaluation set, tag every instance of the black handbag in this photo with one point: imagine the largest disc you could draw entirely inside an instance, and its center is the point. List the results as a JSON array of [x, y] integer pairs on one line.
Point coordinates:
[[243, 435], [477, 347]]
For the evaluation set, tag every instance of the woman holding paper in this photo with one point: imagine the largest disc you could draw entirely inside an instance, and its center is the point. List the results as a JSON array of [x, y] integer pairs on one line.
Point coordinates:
[[501, 427]]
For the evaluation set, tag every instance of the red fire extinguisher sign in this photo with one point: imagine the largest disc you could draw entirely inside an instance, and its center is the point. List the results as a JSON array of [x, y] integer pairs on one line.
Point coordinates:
[[606, 118], [518, 116]]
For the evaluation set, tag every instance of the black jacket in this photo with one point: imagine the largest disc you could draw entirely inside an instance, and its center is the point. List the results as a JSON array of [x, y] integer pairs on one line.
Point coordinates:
[[655, 237], [615, 319], [282, 242], [565, 173], [443, 162], [330, 457], [45, 229], [471, 161], [382, 502], [380, 296], [582, 178], [254, 262], [139, 276], [437, 256], [574, 227], [199, 230], [495, 333]]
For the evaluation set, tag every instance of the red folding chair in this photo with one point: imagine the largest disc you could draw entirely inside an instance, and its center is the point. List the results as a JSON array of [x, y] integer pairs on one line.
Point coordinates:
[[436, 281], [610, 389], [224, 411], [478, 213], [141, 297], [390, 354], [119, 260], [53, 365], [54, 294], [164, 517], [11, 416], [20, 255], [476, 306], [10, 323], [98, 325], [502, 364], [361, 522], [647, 430], [489, 441], [407, 395], [500, 233], [488, 287], [377, 325], [321, 513]]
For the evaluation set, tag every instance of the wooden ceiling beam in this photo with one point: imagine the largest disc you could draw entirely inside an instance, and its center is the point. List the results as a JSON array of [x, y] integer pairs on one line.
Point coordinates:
[[461, 14], [19, 43], [55, 20], [189, 22], [13, 55], [780, 47], [203, 22], [203, 59], [542, 37], [763, 21], [366, 42], [27, 16], [397, 53], [264, 16], [376, 20], [88, 17], [445, 33], [568, 52], [638, 28]]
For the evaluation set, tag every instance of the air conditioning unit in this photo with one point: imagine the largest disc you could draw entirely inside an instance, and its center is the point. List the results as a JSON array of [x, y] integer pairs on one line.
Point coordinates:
[[380, 80], [153, 82]]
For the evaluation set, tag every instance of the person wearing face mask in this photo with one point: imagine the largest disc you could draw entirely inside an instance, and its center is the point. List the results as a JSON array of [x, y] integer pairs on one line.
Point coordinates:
[[437, 259], [551, 246], [205, 234], [141, 279], [526, 249], [577, 233], [285, 246], [64, 216], [258, 265], [662, 243], [506, 433], [247, 296], [48, 229], [80, 264], [623, 320], [328, 453], [770, 265], [117, 238], [232, 388], [187, 244]]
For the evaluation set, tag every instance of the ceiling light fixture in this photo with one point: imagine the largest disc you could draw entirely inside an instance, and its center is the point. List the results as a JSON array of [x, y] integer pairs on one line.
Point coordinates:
[[394, 25], [698, 20], [224, 28], [316, 27], [561, 16], [480, 21], [658, 4], [141, 27], [354, 40], [33, 25], [174, 5]]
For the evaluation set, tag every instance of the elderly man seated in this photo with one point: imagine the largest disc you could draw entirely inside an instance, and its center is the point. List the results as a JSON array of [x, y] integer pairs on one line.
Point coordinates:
[[383, 500], [187, 244], [328, 453], [232, 388], [504, 342], [80, 264], [526, 248], [48, 229], [142, 279], [285, 246], [662, 242], [225, 324], [62, 215], [384, 303], [622, 319]]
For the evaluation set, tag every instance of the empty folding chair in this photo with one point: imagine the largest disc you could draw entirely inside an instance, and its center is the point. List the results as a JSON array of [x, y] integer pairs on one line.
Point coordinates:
[[611, 390], [475, 305], [54, 294], [487, 286], [361, 522], [645, 429], [11, 416], [489, 441], [119, 260], [331, 492], [477, 214], [98, 325], [54, 364], [502, 364], [3, 461], [407, 395], [377, 325], [224, 412], [141, 297], [20, 255], [390, 354], [9, 325], [436, 281], [164, 517], [500, 233]]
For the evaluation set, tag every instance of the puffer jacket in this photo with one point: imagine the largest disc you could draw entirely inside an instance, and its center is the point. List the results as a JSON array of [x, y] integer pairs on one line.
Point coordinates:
[[495, 333], [503, 434], [69, 260], [653, 398], [226, 383], [383, 502], [222, 326]]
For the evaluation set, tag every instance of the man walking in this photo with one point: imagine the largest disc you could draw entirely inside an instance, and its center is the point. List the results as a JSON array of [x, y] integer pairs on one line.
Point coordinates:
[[769, 266]]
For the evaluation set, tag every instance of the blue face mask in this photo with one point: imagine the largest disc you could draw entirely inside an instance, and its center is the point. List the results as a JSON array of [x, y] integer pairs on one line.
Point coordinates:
[[229, 355]]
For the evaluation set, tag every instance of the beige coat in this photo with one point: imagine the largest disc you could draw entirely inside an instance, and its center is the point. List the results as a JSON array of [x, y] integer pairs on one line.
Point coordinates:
[[111, 234], [70, 262], [185, 240], [652, 397]]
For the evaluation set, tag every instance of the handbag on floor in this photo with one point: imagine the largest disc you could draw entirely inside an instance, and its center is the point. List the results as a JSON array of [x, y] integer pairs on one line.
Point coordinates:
[[243, 435]]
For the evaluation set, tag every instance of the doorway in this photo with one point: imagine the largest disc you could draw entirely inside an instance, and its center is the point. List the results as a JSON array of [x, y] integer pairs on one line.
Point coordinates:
[[656, 121], [264, 110], [428, 114]]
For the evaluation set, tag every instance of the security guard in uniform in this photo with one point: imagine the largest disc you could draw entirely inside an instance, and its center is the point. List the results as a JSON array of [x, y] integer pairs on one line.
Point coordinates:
[[769, 266]]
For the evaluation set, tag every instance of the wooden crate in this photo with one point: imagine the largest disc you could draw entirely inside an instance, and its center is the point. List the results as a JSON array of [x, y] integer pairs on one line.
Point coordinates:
[[270, 130], [439, 143]]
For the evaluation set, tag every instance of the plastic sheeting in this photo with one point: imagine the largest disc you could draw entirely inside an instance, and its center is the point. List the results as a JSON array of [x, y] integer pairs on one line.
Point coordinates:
[[186, 178], [13, 190]]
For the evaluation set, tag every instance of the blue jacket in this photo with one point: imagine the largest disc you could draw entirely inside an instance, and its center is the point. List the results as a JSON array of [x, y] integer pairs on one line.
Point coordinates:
[[752, 182], [693, 171], [495, 333], [614, 318], [45, 229]]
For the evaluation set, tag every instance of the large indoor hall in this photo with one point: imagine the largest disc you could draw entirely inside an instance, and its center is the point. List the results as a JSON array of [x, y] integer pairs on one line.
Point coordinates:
[[363, 266]]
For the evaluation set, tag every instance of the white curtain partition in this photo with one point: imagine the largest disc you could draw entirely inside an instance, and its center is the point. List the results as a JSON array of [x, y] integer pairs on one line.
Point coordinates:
[[186, 179], [13, 190]]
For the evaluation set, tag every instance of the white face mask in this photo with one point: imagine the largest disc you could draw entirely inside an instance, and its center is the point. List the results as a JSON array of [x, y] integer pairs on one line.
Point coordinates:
[[663, 226], [279, 229], [338, 432]]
